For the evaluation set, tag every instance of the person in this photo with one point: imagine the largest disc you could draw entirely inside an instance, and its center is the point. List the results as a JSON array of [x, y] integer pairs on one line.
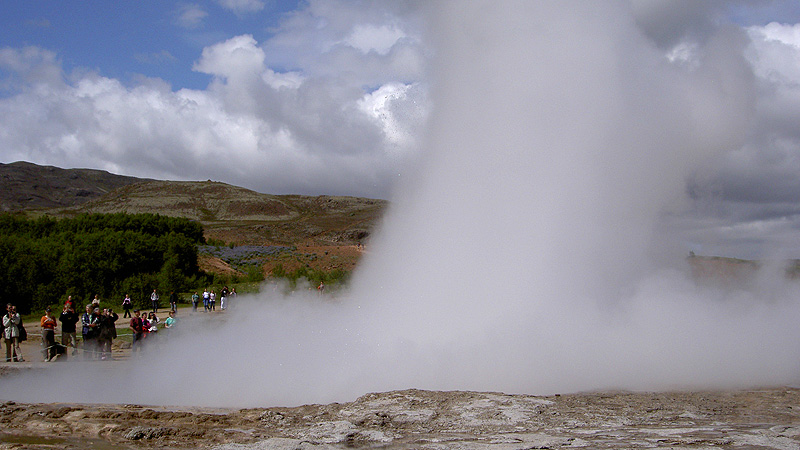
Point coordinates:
[[69, 321], [69, 302], [195, 300], [154, 300], [127, 304], [137, 331], [107, 332], [96, 301], [11, 321], [48, 323], [152, 320], [321, 287], [170, 321], [223, 297], [89, 331], [212, 300], [173, 300], [145, 326], [231, 296], [206, 300]]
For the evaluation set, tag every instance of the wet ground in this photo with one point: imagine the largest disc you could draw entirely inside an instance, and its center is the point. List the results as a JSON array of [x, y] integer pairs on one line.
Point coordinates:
[[413, 419]]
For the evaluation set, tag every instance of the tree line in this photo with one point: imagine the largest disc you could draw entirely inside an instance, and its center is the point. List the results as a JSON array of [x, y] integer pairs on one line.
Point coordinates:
[[45, 259]]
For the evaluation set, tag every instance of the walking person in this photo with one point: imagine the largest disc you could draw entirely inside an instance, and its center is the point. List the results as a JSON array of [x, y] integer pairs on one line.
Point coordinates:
[[137, 331], [69, 321], [49, 324], [206, 300], [11, 334], [154, 300], [127, 304], [212, 300], [195, 300], [223, 297], [173, 300]]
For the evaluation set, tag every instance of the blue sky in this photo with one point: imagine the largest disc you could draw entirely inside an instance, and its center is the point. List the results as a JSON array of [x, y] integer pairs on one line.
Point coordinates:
[[123, 40], [334, 96]]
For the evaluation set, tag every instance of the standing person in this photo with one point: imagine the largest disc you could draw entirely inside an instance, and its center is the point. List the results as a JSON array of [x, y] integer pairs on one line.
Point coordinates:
[[69, 302], [232, 296], [90, 321], [69, 321], [127, 304], [48, 323], [154, 300], [96, 301], [137, 331], [206, 300], [107, 332], [212, 300], [86, 331], [195, 299], [223, 297], [173, 300], [11, 321], [321, 287]]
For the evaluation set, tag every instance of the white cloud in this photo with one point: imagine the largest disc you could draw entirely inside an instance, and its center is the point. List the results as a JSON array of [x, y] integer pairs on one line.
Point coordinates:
[[191, 16], [335, 101], [242, 6], [380, 39], [301, 131]]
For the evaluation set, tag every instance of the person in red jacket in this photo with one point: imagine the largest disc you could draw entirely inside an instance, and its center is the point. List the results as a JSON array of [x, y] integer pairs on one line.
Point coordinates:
[[136, 327]]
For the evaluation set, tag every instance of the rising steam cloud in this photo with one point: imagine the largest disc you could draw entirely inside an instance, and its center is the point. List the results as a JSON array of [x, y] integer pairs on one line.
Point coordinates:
[[525, 256]]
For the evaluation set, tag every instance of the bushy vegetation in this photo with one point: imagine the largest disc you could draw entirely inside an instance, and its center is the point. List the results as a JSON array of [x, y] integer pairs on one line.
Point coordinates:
[[43, 260], [314, 276], [243, 257]]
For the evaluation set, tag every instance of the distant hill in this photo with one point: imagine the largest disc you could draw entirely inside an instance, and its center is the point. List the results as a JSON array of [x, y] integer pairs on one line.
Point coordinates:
[[241, 216], [24, 185], [323, 232]]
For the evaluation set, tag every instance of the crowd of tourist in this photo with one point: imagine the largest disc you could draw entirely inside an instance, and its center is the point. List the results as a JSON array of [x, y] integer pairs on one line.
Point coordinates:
[[98, 326]]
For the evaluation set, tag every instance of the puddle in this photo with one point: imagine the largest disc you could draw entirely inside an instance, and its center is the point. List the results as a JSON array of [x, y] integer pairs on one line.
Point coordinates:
[[38, 442]]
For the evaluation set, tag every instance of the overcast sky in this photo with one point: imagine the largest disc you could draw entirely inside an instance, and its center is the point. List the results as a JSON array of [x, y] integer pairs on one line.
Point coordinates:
[[332, 97]]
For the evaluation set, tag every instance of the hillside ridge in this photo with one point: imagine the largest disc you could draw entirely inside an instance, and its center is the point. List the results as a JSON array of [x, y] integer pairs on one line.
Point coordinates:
[[324, 232], [25, 186]]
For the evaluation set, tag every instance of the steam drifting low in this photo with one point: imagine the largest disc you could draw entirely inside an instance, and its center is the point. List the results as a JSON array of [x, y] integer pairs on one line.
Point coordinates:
[[526, 255]]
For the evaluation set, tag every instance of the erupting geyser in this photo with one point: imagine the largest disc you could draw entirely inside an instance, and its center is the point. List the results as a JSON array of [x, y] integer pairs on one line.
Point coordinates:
[[524, 255]]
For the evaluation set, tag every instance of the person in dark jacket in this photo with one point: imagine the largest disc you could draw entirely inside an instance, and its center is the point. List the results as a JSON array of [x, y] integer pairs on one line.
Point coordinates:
[[173, 301], [69, 320], [107, 332], [89, 320]]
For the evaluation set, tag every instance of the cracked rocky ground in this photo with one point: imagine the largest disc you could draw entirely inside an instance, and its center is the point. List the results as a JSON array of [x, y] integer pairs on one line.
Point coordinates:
[[415, 419]]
